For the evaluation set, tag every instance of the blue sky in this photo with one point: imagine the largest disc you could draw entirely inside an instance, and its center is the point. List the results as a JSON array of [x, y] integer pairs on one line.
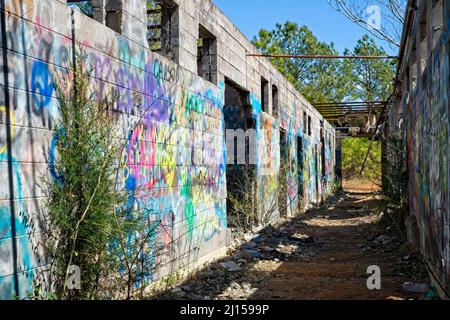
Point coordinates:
[[328, 25]]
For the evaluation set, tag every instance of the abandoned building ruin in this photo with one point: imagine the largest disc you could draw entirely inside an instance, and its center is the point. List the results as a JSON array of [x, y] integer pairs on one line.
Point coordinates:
[[185, 63], [181, 70], [417, 134]]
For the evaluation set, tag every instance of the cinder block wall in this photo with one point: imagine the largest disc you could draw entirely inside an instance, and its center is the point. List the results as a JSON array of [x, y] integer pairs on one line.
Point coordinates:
[[166, 155], [420, 121]]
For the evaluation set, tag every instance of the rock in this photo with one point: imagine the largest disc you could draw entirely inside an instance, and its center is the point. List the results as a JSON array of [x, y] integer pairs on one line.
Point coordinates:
[[416, 287], [277, 234], [230, 266], [250, 245], [234, 285], [309, 240], [406, 258], [237, 256], [253, 253], [267, 249], [202, 274], [179, 292], [301, 239], [246, 286], [186, 288], [269, 229], [248, 237], [383, 239], [274, 242], [259, 239]]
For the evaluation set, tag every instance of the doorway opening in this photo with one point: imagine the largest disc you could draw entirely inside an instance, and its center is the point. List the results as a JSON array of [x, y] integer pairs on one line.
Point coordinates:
[[163, 28], [323, 158], [283, 178], [240, 127], [207, 55], [300, 174], [354, 151], [316, 171]]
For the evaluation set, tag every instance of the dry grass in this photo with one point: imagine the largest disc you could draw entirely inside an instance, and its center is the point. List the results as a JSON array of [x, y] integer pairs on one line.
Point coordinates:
[[360, 186]]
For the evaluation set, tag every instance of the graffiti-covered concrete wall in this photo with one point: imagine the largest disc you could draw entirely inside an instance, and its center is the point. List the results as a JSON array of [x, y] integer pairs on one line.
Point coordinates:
[[173, 116], [420, 122]]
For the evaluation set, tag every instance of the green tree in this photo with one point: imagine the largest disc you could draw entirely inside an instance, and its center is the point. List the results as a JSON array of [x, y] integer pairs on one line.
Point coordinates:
[[371, 80], [354, 151], [91, 224], [318, 80], [81, 192]]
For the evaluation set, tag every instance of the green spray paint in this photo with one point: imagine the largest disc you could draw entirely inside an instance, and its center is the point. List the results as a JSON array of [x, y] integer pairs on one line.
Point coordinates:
[[189, 207]]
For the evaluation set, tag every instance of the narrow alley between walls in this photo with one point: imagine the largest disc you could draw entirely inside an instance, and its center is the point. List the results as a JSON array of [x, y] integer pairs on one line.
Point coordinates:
[[323, 255]]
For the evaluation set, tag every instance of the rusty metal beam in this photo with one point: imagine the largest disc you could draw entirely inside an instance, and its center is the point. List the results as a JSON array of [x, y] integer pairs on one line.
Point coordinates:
[[352, 112], [346, 128], [349, 108], [349, 103], [327, 108], [317, 56], [358, 109]]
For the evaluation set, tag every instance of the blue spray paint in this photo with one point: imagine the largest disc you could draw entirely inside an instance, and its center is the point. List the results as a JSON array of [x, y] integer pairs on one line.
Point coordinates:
[[42, 85], [24, 254]]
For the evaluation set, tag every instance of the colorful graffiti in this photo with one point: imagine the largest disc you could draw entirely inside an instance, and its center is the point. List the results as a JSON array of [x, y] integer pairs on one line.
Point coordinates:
[[426, 133], [303, 188], [41, 85], [173, 166], [174, 160], [316, 185], [17, 257]]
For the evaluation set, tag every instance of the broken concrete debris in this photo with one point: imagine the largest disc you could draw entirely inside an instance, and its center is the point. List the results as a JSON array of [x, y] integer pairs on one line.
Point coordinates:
[[231, 266], [385, 240], [258, 263]]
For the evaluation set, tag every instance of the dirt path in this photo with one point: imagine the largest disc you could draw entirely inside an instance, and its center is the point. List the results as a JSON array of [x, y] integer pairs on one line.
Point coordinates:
[[321, 255]]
